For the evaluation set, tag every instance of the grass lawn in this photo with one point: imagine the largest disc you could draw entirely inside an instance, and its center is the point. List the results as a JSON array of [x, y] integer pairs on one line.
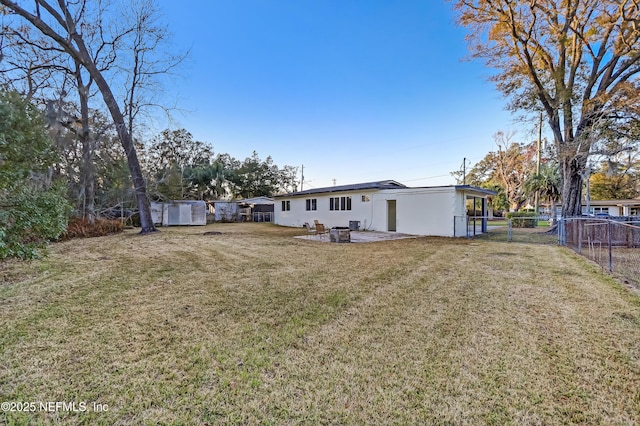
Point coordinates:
[[253, 326]]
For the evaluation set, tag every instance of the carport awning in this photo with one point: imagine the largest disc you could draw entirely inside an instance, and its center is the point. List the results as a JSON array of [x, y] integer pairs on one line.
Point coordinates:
[[475, 191]]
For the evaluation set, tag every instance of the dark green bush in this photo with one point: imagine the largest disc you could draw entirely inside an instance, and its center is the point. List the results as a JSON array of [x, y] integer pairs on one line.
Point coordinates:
[[29, 219], [523, 219]]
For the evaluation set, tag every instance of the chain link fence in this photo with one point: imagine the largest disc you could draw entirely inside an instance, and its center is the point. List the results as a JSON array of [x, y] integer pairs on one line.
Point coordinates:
[[469, 226], [612, 243], [530, 230]]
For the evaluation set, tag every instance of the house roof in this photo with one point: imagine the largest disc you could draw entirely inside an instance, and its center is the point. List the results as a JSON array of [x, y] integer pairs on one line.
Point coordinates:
[[383, 184], [632, 202], [179, 202], [256, 200]]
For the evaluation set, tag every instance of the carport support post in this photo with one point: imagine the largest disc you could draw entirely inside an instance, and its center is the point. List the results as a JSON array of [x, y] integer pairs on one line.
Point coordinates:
[[484, 215], [475, 215]]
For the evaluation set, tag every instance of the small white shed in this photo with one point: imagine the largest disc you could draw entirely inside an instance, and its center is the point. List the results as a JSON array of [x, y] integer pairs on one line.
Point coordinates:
[[226, 211], [179, 212]]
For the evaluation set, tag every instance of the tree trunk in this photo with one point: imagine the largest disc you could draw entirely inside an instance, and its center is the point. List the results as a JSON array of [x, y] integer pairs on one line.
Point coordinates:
[[87, 169], [572, 186], [139, 184]]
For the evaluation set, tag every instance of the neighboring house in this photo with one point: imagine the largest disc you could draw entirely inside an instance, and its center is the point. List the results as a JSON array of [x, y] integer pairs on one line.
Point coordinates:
[[179, 212], [385, 206], [256, 209], [612, 207]]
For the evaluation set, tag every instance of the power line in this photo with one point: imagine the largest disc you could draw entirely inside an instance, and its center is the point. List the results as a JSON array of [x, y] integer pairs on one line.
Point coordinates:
[[424, 178]]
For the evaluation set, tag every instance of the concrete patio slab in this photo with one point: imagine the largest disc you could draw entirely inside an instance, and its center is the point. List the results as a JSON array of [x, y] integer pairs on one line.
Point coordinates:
[[361, 236]]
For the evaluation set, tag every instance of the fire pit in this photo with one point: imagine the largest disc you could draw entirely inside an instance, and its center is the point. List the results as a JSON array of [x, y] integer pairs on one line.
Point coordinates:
[[340, 234]]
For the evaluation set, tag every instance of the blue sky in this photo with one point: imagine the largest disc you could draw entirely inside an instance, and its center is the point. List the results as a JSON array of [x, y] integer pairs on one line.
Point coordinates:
[[356, 91]]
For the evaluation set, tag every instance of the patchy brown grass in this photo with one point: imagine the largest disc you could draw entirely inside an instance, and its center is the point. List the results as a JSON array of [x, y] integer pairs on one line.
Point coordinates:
[[253, 326]]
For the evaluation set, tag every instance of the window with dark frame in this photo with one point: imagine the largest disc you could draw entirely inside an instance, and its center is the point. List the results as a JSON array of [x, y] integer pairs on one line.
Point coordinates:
[[334, 203], [340, 203], [286, 205], [345, 203], [312, 204]]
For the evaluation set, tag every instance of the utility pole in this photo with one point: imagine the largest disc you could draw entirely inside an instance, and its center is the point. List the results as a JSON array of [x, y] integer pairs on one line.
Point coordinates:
[[302, 179], [537, 197], [464, 171]]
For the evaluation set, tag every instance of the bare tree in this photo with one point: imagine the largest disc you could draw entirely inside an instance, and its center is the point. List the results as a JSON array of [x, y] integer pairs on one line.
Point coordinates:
[[147, 60], [43, 72], [65, 24], [576, 60], [513, 166]]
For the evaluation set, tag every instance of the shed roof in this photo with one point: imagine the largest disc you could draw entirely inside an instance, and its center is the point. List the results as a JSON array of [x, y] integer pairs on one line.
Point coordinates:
[[383, 184], [256, 200]]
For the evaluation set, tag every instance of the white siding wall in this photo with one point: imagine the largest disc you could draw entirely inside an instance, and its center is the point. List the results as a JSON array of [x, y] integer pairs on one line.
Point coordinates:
[[298, 215], [183, 213], [419, 211], [596, 208]]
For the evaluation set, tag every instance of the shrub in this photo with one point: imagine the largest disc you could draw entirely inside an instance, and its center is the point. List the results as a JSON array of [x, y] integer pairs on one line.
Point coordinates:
[[523, 219], [80, 227], [29, 219]]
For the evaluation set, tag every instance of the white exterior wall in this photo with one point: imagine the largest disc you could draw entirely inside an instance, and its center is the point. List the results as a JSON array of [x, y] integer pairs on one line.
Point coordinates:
[[419, 211], [597, 208], [298, 215], [157, 210], [225, 210], [437, 211], [190, 213]]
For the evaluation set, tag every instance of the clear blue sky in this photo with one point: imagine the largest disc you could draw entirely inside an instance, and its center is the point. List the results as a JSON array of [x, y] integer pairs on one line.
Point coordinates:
[[356, 91]]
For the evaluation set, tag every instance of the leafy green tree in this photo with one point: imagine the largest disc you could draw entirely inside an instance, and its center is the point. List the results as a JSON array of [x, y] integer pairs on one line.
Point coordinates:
[[178, 165], [613, 187], [577, 61], [177, 148], [24, 146], [256, 177], [32, 212], [617, 177]]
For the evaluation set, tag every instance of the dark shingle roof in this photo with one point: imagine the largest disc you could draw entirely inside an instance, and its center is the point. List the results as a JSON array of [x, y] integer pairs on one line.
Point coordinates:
[[383, 184]]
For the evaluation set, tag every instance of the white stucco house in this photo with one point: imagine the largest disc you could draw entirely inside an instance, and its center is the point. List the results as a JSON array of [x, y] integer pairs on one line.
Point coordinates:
[[612, 207], [387, 206]]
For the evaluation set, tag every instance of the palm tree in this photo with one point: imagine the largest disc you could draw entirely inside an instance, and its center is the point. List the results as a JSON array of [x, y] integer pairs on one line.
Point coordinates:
[[547, 184]]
